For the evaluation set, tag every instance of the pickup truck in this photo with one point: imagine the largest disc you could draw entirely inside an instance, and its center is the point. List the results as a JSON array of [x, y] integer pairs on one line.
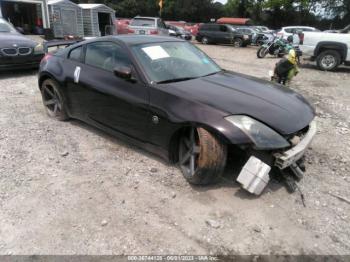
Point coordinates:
[[329, 50]]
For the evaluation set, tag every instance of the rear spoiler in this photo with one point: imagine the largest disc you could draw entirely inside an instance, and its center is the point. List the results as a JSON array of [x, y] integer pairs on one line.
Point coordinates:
[[58, 43]]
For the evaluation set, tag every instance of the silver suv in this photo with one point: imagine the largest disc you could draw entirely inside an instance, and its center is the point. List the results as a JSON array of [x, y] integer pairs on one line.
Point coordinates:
[[148, 26]]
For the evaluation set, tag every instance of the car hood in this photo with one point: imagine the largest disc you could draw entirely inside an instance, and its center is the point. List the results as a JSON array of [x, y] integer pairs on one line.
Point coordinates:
[[9, 39], [236, 94]]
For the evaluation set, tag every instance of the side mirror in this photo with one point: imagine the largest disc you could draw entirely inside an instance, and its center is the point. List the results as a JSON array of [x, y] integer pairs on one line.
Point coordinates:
[[123, 72]]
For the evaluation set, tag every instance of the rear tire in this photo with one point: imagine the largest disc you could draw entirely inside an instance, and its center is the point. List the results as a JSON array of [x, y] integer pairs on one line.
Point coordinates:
[[202, 156], [53, 100], [328, 60], [262, 52]]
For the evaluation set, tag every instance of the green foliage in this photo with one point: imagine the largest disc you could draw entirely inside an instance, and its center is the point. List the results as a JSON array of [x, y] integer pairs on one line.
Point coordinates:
[[273, 13]]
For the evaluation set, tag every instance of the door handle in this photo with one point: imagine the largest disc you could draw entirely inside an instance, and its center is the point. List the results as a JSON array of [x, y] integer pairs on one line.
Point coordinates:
[[77, 74]]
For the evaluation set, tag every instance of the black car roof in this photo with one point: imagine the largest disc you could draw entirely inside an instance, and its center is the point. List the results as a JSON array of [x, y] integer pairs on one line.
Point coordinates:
[[128, 40]]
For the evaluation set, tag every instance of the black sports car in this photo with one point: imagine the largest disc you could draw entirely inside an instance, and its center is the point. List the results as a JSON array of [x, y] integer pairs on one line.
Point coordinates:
[[166, 95], [16, 50]]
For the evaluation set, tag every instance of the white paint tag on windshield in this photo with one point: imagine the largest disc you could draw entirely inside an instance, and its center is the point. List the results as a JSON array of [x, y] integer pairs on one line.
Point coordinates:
[[155, 52]]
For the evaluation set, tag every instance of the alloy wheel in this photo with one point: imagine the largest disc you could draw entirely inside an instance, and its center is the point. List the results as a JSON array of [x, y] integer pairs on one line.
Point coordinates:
[[51, 100], [189, 151]]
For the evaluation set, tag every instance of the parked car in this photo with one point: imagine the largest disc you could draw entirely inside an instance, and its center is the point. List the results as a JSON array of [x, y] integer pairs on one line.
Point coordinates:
[[148, 26], [122, 26], [176, 23], [16, 50], [179, 32], [290, 30], [193, 28], [329, 50], [167, 96], [256, 35], [222, 34]]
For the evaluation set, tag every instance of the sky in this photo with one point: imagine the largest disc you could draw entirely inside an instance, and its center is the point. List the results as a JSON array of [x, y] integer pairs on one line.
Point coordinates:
[[221, 1]]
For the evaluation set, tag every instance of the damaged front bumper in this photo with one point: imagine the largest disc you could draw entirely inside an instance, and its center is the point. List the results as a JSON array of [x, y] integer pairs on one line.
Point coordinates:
[[287, 158], [254, 176]]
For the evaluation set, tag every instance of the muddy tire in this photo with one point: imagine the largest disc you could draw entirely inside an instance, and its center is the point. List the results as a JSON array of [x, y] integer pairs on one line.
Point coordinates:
[[328, 60], [262, 52], [202, 156], [53, 100]]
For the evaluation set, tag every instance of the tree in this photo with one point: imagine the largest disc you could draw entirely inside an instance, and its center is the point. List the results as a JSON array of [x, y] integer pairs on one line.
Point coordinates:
[[339, 10]]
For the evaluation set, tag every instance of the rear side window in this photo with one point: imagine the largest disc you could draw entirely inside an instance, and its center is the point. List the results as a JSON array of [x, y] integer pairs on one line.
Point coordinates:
[[289, 30], [106, 55], [76, 54], [143, 22], [209, 27], [307, 29]]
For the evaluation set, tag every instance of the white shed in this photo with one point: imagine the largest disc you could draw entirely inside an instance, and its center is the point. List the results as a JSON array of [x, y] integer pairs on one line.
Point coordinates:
[[66, 18], [98, 19]]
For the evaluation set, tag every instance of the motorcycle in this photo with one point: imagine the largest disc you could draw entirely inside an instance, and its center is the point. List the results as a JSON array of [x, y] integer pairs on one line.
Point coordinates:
[[275, 47], [279, 47]]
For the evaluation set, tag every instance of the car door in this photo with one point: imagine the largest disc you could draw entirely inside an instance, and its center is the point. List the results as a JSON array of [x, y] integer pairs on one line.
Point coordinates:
[[212, 33], [72, 68], [223, 34], [109, 101]]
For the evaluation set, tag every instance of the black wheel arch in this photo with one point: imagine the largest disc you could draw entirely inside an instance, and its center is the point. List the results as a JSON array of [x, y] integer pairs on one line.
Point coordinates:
[[329, 45], [232, 139], [44, 76]]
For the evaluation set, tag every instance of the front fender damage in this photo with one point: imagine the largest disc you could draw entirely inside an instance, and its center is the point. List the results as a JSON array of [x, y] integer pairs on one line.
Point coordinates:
[[259, 168]]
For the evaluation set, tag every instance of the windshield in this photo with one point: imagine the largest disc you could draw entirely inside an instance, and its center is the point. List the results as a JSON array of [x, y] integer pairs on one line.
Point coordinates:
[[5, 27], [143, 22], [174, 61]]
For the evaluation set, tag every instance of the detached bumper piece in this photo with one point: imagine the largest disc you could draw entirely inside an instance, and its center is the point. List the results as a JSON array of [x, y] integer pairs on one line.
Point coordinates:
[[255, 176], [286, 159]]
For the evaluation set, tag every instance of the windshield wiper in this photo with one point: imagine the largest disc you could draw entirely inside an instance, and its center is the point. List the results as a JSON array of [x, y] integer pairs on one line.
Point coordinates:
[[176, 80]]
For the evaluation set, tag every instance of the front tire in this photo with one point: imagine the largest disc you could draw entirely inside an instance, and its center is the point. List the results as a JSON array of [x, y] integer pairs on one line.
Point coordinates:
[[262, 52], [53, 100], [238, 42], [205, 41], [328, 60], [202, 156]]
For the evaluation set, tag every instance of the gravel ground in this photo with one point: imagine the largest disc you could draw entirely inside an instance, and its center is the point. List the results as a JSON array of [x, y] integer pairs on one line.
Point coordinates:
[[67, 188]]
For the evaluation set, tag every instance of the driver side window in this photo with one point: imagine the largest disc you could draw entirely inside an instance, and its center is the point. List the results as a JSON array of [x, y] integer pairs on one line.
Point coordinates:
[[106, 55]]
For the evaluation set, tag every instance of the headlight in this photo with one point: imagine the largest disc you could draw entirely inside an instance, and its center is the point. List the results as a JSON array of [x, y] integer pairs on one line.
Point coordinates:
[[262, 136], [39, 49]]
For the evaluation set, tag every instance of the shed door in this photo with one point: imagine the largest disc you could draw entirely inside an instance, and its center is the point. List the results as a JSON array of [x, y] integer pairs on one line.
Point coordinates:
[[69, 22]]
